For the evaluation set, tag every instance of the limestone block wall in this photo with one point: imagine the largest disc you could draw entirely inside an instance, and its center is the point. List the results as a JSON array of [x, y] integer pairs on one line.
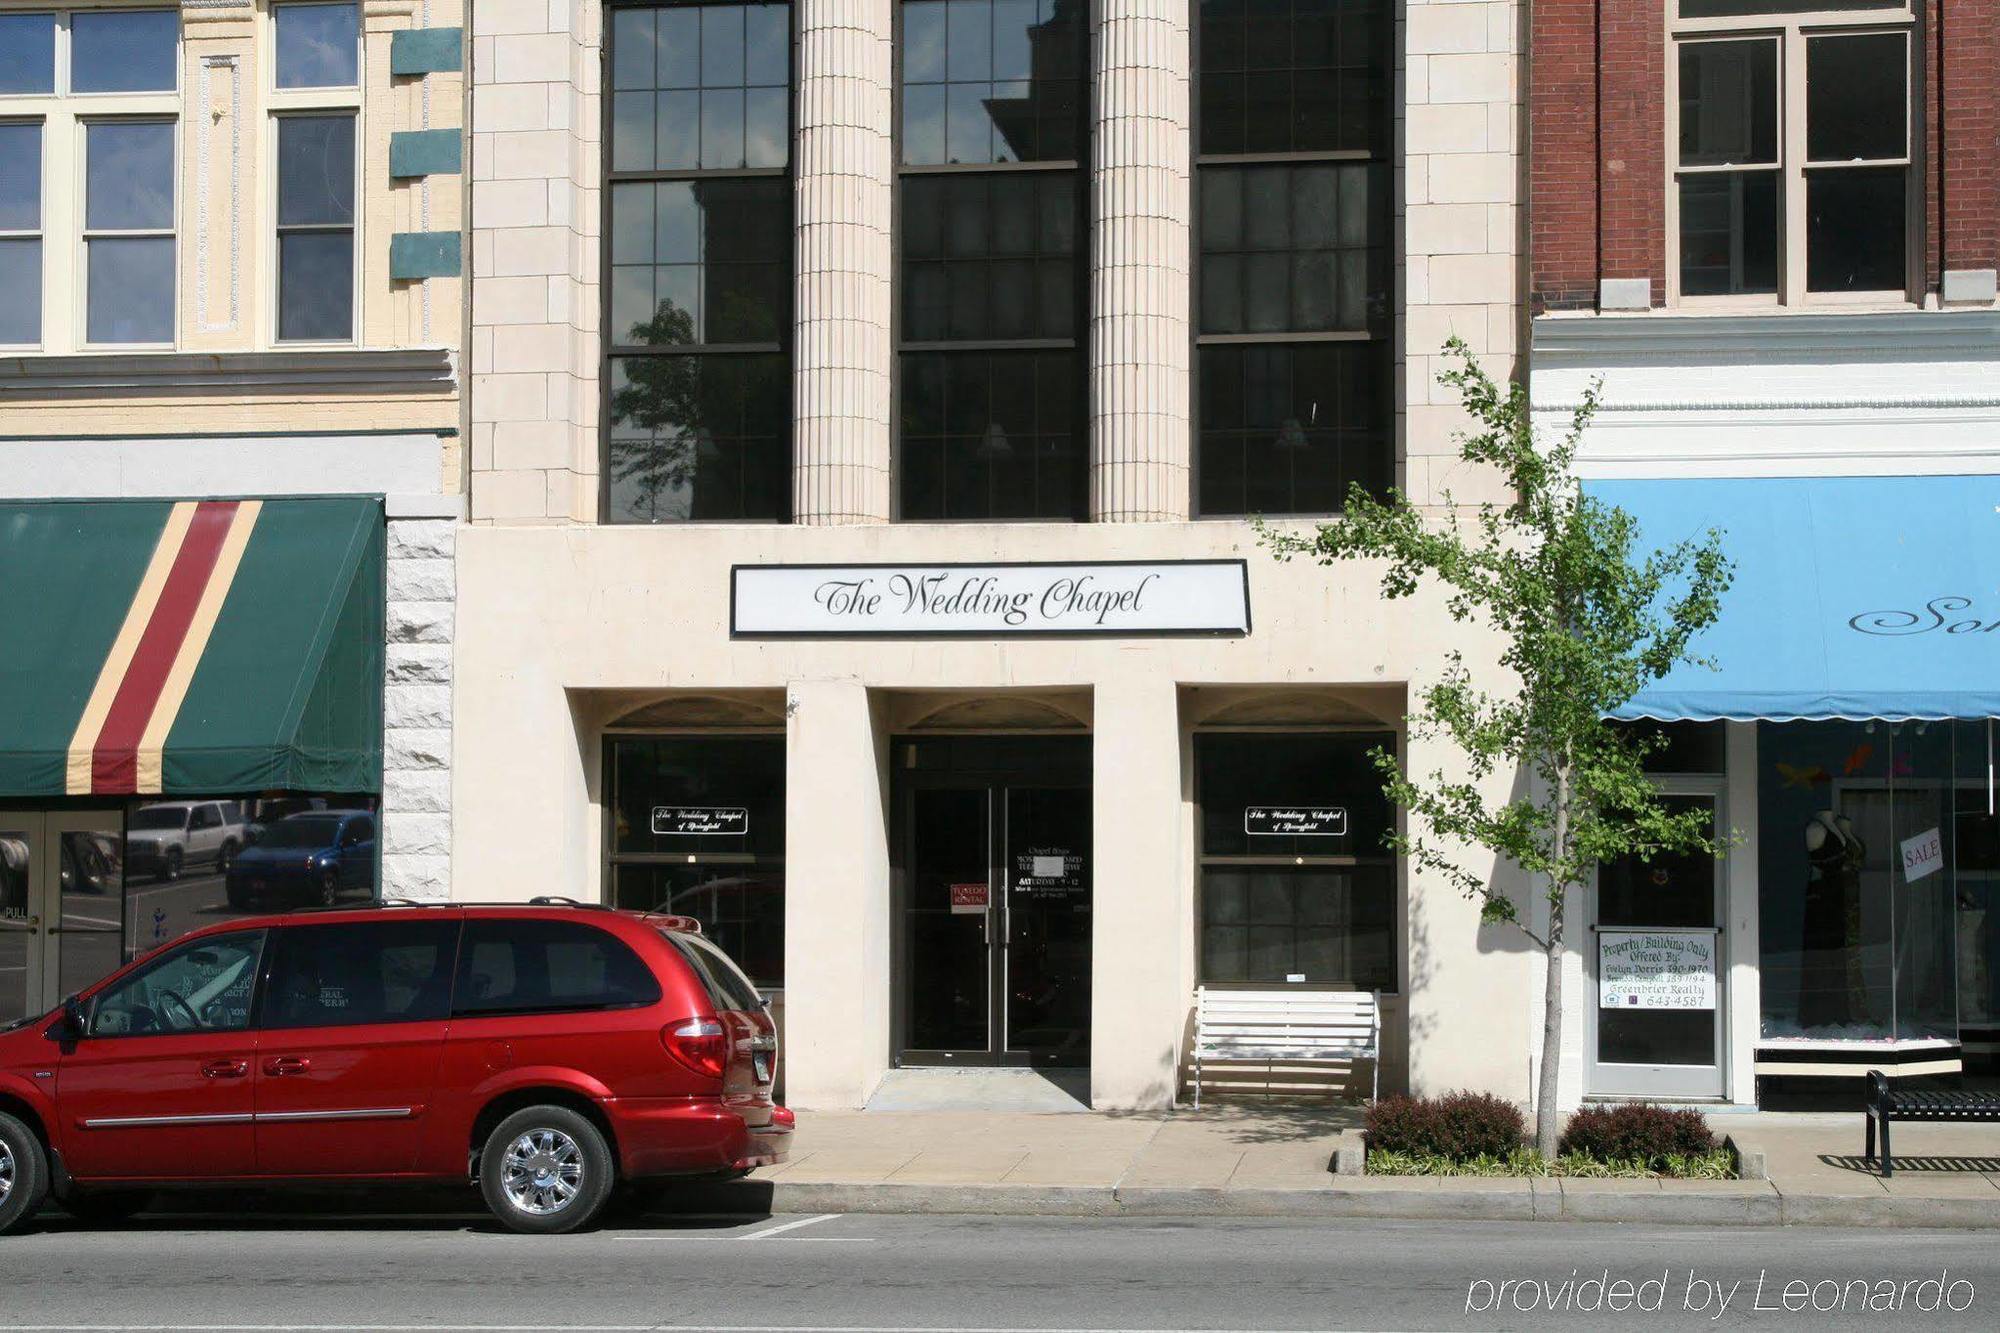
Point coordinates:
[[417, 707], [1461, 142]]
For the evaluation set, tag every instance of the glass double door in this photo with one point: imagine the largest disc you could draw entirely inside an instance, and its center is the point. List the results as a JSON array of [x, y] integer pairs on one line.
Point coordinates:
[[62, 902], [1655, 969], [995, 923]]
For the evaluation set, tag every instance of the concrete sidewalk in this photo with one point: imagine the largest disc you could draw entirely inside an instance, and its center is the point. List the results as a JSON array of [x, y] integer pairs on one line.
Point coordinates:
[[1241, 1160]]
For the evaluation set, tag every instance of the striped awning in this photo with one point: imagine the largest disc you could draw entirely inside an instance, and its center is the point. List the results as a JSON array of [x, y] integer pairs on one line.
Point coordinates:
[[190, 647]]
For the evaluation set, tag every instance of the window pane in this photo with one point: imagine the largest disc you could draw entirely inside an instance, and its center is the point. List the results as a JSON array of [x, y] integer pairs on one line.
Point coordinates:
[[20, 291], [1729, 102], [1289, 428], [203, 986], [1729, 233], [131, 290], [336, 976], [129, 171], [1294, 76], [316, 285], [319, 46], [679, 79], [1331, 219], [632, 48], [1321, 926], [1855, 225], [990, 80], [315, 170], [991, 435], [1240, 773], [1857, 97], [123, 50], [722, 251], [1702, 9], [967, 292], [20, 177], [767, 46], [27, 53], [699, 437], [521, 966]]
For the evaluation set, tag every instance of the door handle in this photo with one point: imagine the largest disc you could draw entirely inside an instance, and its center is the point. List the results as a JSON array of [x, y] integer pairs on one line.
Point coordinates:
[[286, 1065], [225, 1069]]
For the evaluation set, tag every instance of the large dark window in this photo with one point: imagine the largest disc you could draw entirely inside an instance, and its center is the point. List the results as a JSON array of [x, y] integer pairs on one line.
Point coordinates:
[[698, 829], [699, 259], [992, 208], [1297, 884], [542, 966], [1294, 223]]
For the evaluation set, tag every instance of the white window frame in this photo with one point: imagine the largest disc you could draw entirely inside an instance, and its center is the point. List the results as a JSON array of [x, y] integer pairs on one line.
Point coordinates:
[[1792, 32], [62, 115], [330, 101]]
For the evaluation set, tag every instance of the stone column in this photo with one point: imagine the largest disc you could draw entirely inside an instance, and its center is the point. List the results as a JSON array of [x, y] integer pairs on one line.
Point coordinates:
[[837, 912], [416, 701], [841, 353], [1139, 263], [1142, 910]]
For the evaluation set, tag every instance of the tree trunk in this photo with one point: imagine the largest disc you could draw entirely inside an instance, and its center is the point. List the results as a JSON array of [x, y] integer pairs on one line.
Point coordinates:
[[1547, 1123]]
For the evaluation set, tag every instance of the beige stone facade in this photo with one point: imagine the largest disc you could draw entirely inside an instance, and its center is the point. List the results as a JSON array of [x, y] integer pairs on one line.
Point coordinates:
[[568, 626]]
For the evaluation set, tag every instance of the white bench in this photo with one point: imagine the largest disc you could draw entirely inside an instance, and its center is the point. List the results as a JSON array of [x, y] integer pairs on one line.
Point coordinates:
[[1287, 1025]]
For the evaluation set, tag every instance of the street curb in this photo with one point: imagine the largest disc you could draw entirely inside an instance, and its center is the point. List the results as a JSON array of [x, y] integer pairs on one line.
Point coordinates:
[[1729, 1204]]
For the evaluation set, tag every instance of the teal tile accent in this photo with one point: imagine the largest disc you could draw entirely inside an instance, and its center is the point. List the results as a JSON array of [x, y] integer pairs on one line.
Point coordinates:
[[423, 254], [426, 50], [425, 152]]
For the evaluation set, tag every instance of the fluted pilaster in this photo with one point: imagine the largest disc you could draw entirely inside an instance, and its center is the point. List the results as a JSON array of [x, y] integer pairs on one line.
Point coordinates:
[[841, 353], [1139, 269]]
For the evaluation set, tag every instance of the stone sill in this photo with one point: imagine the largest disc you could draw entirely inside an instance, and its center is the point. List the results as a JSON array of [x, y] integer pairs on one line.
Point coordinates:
[[423, 370]]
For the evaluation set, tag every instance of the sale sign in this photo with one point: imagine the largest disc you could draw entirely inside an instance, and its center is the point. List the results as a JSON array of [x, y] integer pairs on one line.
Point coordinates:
[[1922, 855]]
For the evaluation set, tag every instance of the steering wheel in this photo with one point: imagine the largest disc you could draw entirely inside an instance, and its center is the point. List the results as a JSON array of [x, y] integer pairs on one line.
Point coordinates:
[[180, 1017]]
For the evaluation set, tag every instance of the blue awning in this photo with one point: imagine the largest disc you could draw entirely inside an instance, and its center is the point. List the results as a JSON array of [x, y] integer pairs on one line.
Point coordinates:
[[1855, 597]]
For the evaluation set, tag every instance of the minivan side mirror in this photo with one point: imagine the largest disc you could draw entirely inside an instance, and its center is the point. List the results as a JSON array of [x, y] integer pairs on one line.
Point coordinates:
[[72, 1025]]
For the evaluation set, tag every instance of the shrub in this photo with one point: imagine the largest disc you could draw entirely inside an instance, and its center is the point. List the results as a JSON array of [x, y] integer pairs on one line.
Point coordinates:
[[1458, 1125], [1633, 1131]]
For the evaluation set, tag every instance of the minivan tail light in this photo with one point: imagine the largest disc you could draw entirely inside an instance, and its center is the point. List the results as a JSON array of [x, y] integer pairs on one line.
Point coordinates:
[[700, 1044]]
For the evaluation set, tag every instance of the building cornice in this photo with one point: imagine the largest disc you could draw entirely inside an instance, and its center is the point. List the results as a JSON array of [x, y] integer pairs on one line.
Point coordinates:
[[1788, 339], [399, 371]]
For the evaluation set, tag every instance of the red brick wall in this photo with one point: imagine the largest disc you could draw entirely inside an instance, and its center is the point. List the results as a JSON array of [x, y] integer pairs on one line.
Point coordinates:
[[1964, 198], [1562, 154], [1597, 142]]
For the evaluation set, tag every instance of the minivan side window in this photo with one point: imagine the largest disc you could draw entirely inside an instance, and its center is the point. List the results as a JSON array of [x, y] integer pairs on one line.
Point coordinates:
[[203, 986], [366, 972], [542, 966], [726, 984]]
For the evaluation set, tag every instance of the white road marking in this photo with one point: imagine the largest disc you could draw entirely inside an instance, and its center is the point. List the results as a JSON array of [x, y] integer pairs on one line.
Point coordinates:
[[790, 1226], [601, 1328]]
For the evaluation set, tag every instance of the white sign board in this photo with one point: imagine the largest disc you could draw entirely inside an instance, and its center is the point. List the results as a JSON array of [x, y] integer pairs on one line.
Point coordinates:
[[990, 601], [1656, 969], [1922, 855]]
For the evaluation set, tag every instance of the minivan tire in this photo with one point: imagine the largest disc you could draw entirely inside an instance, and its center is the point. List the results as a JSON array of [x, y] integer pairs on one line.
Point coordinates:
[[528, 1159], [24, 1174]]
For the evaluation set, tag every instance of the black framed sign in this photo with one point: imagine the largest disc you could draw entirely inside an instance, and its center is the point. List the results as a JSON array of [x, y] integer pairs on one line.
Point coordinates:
[[700, 821], [990, 601], [1296, 821]]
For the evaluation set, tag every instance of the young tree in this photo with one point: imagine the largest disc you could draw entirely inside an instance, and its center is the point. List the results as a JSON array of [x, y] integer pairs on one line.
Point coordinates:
[[1585, 623]]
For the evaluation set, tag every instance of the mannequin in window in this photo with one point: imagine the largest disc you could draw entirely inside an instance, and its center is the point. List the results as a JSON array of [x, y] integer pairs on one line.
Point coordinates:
[[1830, 933]]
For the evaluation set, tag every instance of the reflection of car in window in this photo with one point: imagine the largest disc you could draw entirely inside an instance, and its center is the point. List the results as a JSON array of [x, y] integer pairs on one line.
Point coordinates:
[[314, 856], [167, 837]]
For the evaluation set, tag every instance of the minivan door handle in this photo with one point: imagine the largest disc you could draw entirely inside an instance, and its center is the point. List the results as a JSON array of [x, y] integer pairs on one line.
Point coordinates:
[[286, 1065], [225, 1069]]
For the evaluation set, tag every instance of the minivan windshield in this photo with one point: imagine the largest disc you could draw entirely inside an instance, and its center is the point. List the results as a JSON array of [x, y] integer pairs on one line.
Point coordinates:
[[297, 831], [158, 817]]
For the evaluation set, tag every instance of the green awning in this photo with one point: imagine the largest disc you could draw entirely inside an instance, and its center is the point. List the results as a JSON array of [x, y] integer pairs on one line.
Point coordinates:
[[191, 647]]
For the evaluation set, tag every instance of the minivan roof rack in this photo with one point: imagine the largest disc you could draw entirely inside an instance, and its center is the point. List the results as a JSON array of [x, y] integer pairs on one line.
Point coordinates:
[[369, 905]]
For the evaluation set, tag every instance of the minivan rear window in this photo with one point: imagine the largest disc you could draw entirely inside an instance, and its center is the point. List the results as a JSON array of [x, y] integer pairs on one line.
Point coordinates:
[[727, 987], [528, 966]]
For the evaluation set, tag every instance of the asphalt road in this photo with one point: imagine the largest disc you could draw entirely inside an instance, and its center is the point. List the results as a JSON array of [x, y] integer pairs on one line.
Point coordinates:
[[447, 1269]]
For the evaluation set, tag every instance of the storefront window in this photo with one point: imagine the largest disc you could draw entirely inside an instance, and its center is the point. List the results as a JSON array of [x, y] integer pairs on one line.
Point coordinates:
[[698, 829], [1297, 884], [1866, 869]]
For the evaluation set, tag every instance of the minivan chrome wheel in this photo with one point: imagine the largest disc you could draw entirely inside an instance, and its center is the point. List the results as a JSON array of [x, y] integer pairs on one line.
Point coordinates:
[[24, 1174], [547, 1170], [6, 1172], [543, 1171]]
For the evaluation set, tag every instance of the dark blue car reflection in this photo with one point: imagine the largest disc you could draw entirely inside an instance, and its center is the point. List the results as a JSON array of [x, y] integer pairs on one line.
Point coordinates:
[[313, 857]]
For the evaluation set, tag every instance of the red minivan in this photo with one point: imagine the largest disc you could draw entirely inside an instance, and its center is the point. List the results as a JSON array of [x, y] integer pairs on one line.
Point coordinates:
[[546, 1050]]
